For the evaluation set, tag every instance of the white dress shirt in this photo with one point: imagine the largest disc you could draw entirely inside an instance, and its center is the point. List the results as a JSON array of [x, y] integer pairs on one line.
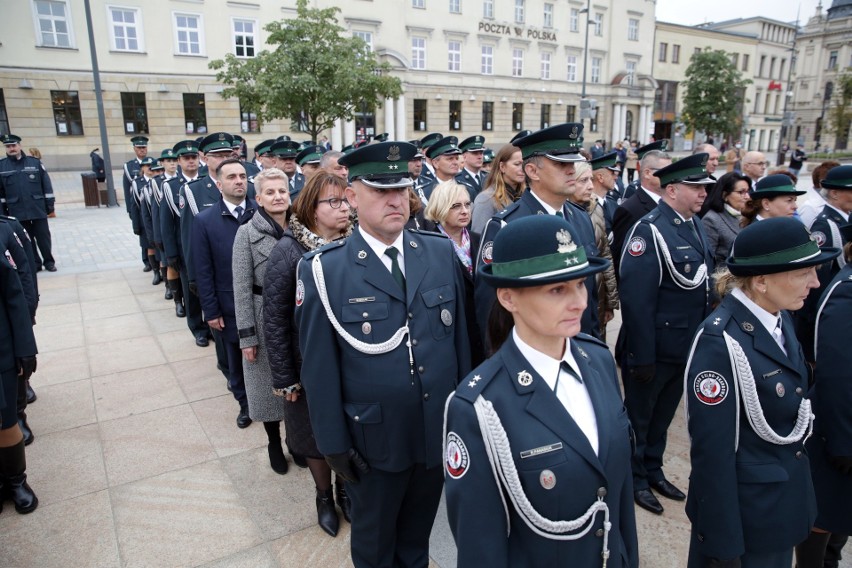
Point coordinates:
[[379, 248], [771, 322]]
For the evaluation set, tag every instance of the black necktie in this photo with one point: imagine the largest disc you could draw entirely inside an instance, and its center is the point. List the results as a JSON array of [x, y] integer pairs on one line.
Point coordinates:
[[691, 224], [560, 214], [396, 272], [238, 211], [564, 367]]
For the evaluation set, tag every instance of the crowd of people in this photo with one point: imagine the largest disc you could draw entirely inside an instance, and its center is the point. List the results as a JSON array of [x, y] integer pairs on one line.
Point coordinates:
[[430, 316]]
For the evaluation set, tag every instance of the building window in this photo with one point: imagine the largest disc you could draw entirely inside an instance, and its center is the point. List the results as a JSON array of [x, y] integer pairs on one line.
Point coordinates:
[[574, 20], [745, 61], [545, 65], [572, 69], [735, 59], [125, 28], [519, 11], [548, 15], [418, 53], [248, 120], [596, 70], [367, 37], [487, 116], [194, 114], [245, 39], [571, 113], [633, 29], [631, 72], [832, 60], [455, 115], [518, 116], [517, 63], [189, 34], [4, 118], [135, 113], [418, 3], [697, 51], [53, 23], [454, 53], [762, 65], [675, 53], [545, 116], [487, 60], [488, 9], [593, 124], [420, 114], [663, 53], [66, 113], [455, 6], [598, 23]]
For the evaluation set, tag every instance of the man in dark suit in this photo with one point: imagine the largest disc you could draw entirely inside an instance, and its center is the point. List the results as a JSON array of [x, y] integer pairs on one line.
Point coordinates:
[[665, 293], [213, 242], [383, 341]]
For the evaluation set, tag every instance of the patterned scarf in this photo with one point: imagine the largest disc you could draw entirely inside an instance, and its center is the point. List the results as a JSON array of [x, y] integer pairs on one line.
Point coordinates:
[[311, 241], [463, 250]]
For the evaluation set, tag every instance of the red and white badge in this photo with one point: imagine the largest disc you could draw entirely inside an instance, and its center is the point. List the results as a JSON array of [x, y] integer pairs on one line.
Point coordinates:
[[300, 292], [818, 237], [710, 387], [11, 260], [457, 458], [636, 246], [486, 252]]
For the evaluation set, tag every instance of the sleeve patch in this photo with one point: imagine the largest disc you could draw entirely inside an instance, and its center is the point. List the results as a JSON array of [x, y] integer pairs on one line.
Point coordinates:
[[486, 252], [457, 457], [181, 202], [818, 237], [710, 387], [11, 260], [300, 293], [636, 246]]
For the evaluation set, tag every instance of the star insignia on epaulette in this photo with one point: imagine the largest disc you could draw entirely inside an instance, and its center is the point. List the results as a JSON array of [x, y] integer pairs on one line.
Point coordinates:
[[474, 380], [717, 321]]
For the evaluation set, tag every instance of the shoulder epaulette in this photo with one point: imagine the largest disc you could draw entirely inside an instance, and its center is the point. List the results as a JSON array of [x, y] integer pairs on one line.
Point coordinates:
[[590, 339], [328, 247], [716, 323], [476, 381]]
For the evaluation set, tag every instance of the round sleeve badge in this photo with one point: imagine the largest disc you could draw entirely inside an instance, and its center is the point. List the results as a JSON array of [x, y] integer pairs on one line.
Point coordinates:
[[636, 246], [486, 252], [457, 458], [300, 292], [818, 237], [181, 202], [710, 387]]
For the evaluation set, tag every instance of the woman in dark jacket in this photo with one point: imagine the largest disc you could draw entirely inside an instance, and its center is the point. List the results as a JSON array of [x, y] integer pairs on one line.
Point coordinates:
[[319, 216], [722, 213]]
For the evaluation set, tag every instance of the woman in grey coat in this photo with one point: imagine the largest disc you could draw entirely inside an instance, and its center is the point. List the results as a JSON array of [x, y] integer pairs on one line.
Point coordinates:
[[722, 214], [252, 245]]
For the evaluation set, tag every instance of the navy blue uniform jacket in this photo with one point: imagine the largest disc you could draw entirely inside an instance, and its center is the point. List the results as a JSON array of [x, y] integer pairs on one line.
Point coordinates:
[[378, 404], [26, 192], [542, 436], [16, 327], [757, 498], [213, 249]]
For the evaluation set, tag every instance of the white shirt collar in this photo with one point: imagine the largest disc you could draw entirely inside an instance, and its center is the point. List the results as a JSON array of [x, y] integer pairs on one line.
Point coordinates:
[[231, 206], [841, 213], [545, 365], [379, 248], [653, 195], [473, 175], [766, 319], [550, 210]]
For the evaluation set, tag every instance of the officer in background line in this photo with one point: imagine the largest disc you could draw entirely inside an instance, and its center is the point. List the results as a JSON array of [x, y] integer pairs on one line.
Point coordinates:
[[131, 172], [660, 146], [471, 175], [285, 152], [26, 193]]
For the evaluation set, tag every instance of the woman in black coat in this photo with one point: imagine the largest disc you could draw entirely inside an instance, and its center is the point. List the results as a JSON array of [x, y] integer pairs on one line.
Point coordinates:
[[319, 216]]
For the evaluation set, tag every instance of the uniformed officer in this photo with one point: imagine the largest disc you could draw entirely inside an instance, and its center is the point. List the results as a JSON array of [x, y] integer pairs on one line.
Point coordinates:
[[213, 236], [444, 156], [309, 160], [238, 144], [26, 193], [131, 172], [138, 208], [633, 187], [665, 294], [17, 363], [285, 152], [427, 175], [263, 157], [487, 160], [604, 173], [383, 342], [151, 219], [751, 497], [168, 161], [549, 158], [471, 175], [541, 422]]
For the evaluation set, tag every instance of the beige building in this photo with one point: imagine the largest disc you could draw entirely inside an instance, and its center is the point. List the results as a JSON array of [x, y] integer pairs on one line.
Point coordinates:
[[824, 51], [467, 67]]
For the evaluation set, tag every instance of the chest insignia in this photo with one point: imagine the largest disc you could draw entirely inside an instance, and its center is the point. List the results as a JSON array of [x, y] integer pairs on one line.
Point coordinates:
[[524, 379], [748, 326], [366, 328], [446, 317], [541, 450], [547, 479], [779, 390], [687, 268], [362, 254], [412, 244]]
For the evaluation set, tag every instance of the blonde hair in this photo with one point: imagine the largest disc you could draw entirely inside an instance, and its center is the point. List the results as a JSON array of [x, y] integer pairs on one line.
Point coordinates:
[[580, 168], [726, 282], [268, 174], [442, 199]]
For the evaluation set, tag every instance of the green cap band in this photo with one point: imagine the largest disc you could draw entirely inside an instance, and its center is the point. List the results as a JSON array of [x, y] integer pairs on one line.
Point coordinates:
[[789, 256], [554, 147], [542, 266], [375, 168], [680, 175]]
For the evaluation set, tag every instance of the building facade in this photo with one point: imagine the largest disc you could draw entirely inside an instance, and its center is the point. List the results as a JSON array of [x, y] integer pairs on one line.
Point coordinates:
[[467, 67]]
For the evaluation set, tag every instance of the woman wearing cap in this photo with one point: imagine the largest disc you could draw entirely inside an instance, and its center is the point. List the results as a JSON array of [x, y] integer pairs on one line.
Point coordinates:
[[772, 196], [751, 497], [722, 213], [830, 448], [320, 216], [537, 441], [449, 208], [503, 186]]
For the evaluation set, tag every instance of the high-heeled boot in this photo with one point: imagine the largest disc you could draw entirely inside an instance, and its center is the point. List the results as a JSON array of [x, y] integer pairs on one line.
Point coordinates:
[[343, 500], [152, 260], [811, 552], [169, 294], [326, 513], [177, 291], [13, 468]]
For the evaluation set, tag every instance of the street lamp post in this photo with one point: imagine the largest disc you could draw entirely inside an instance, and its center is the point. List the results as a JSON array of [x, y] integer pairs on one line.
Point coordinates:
[[784, 139], [584, 109]]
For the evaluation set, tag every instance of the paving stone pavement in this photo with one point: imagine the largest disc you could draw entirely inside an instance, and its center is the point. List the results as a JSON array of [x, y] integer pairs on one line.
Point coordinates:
[[137, 460]]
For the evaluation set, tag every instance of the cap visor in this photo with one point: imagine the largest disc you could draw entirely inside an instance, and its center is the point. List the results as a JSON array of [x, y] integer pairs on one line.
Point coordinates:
[[703, 181], [388, 183], [595, 265], [565, 157]]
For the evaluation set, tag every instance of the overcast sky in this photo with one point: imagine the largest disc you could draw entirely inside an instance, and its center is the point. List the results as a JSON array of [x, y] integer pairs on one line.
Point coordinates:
[[692, 12]]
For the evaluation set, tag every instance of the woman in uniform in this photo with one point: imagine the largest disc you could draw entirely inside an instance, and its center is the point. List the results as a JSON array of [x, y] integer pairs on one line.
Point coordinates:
[[751, 497], [773, 196], [830, 448], [536, 440]]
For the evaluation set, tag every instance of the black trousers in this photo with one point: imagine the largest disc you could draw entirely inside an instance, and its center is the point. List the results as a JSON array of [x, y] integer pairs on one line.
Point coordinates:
[[392, 516], [194, 319], [40, 236]]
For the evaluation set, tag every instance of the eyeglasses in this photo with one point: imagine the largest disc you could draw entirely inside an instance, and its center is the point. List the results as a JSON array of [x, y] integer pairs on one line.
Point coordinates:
[[740, 191], [764, 164], [334, 202], [457, 206]]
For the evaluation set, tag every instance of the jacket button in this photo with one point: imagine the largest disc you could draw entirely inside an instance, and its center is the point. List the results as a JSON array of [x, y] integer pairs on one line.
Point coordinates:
[[410, 316], [414, 342], [700, 537], [798, 455], [365, 314], [421, 369], [357, 419], [426, 396], [599, 532], [799, 391], [602, 492], [667, 324]]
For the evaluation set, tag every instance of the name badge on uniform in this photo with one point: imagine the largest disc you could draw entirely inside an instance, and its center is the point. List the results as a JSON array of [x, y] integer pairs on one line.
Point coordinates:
[[541, 450]]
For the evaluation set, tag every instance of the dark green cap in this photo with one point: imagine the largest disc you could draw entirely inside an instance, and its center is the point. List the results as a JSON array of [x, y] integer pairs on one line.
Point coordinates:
[[168, 154], [10, 139], [775, 185], [487, 156], [520, 135], [779, 244], [691, 170], [347, 149], [157, 165], [139, 141], [148, 161], [561, 143], [606, 161], [185, 147], [444, 146], [657, 145], [237, 141], [839, 177], [285, 149], [472, 144], [216, 142], [264, 147], [310, 155], [430, 139], [282, 138], [383, 137], [383, 165]]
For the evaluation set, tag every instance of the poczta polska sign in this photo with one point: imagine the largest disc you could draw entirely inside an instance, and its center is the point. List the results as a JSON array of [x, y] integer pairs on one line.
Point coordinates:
[[515, 31]]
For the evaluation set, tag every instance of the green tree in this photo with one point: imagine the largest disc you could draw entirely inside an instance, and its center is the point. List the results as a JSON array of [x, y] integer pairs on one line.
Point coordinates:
[[315, 73], [715, 94], [840, 113]]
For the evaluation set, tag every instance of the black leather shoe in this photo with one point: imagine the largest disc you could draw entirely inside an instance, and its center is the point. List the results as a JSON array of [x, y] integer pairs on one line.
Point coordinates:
[[50, 267], [243, 420], [31, 395], [343, 500], [645, 499], [169, 295], [200, 340], [157, 278], [180, 312], [25, 430], [277, 460], [667, 489], [146, 267], [326, 513]]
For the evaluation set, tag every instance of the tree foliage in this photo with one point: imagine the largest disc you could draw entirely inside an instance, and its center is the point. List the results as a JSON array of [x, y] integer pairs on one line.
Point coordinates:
[[715, 94], [314, 72], [840, 113]]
